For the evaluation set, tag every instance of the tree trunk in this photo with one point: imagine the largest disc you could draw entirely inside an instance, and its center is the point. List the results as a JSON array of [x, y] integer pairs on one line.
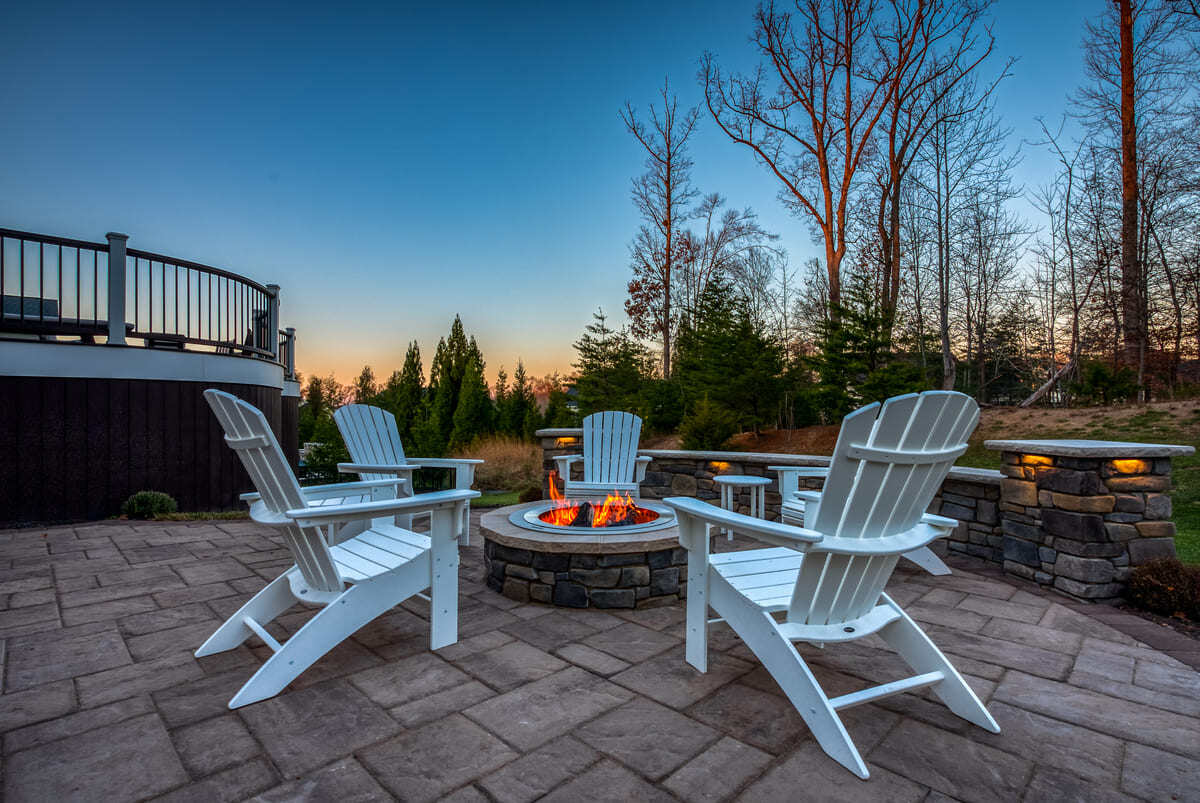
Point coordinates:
[[1048, 386], [1133, 326]]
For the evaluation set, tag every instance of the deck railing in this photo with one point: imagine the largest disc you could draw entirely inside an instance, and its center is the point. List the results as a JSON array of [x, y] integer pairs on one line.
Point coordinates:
[[53, 285], [56, 286]]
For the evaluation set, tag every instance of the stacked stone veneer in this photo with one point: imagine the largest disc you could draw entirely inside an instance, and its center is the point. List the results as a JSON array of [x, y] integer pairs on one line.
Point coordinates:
[[627, 580], [1081, 522]]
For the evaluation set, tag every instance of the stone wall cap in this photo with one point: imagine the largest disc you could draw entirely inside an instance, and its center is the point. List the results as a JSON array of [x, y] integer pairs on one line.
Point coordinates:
[[560, 432], [1086, 448], [987, 476], [739, 457]]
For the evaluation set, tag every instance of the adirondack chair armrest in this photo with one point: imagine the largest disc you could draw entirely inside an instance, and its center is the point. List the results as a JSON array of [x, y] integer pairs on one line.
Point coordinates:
[[420, 503], [336, 489], [463, 467], [771, 532], [564, 462], [376, 468], [444, 462], [919, 536], [349, 488], [789, 477], [641, 463], [807, 496], [939, 521]]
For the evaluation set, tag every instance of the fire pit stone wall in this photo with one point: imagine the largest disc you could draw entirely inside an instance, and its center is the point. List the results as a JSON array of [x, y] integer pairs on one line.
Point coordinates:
[[575, 580]]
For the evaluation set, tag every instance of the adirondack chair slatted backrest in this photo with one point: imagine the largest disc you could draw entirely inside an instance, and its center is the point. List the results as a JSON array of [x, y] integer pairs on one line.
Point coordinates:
[[371, 437], [249, 435], [887, 466], [610, 443]]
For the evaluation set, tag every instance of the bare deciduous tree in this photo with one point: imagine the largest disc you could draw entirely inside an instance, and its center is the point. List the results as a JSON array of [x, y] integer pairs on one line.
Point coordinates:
[[661, 195], [814, 127], [947, 48]]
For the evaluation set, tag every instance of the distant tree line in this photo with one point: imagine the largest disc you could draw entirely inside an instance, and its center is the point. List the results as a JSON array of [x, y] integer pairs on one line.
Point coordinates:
[[441, 416], [877, 122]]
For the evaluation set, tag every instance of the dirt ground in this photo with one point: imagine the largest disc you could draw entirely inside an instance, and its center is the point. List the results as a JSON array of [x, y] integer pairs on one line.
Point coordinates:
[[1179, 419]]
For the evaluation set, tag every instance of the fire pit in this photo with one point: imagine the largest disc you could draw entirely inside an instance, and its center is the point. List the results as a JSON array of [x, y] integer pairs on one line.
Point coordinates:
[[614, 513], [613, 552]]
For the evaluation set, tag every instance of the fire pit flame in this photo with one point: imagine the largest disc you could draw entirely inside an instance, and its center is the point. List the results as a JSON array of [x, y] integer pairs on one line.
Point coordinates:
[[614, 511]]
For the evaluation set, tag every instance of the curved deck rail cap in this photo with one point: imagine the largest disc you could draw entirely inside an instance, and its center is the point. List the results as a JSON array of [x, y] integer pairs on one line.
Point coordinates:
[[71, 360], [1086, 448]]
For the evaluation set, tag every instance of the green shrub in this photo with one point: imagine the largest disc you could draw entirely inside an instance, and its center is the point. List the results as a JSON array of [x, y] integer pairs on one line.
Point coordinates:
[[709, 427], [1165, 586], [662, 404], [1099, 383], [148, 504], [531, 494]]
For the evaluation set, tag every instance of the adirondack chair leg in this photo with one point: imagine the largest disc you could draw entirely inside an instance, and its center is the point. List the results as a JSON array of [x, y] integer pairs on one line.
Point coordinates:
[[333, 624], [264, 606], [908, 639], [781, 659], [464, 531], [694, 537], [443, 580], [928, 560]]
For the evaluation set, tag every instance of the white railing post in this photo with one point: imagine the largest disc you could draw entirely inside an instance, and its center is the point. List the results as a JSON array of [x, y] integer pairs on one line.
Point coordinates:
[[291, 352], [116, 287], [272, 332]]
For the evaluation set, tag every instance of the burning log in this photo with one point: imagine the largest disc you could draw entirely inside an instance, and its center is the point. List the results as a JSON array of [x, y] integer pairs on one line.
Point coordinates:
[[583, 516]]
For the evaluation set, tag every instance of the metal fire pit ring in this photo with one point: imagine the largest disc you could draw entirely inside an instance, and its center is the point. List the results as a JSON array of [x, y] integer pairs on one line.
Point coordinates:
[[528, 519]]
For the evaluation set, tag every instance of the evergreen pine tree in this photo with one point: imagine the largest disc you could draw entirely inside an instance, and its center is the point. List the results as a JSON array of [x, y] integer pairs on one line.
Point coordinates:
[[473, 416], [611, 368], [365, 387], [725, 357]]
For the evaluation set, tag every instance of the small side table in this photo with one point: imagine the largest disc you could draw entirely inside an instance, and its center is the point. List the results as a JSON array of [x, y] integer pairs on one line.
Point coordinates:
[[730, 483]]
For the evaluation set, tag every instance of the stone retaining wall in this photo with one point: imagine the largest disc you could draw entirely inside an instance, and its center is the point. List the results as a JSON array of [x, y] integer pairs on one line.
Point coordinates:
[[1074, 515], [630, 580], [972, 496]]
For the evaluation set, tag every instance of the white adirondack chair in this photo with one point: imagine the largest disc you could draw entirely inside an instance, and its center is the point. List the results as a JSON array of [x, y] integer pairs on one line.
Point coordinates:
[[373, 440], [799, 506], [827, 579], [355, 581], [610, 459]]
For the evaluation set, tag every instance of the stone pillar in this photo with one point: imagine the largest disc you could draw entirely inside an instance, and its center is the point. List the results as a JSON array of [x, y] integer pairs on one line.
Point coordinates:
[[556, 443], [1078, 515]]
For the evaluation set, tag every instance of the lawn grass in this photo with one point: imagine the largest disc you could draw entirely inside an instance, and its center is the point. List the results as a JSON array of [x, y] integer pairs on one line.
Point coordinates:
[[495, 499], [1164, 422], [204, 515]]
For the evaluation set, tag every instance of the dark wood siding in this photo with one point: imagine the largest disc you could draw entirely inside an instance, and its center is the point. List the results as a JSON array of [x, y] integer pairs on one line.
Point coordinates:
[[290, 421], [77, 448]]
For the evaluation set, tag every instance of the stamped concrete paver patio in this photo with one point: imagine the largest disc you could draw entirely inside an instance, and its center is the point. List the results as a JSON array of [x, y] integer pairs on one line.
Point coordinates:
[[102, 698]]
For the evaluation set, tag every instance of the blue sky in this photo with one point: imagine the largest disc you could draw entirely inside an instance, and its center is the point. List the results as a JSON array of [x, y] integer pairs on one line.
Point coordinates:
[[391, 165]]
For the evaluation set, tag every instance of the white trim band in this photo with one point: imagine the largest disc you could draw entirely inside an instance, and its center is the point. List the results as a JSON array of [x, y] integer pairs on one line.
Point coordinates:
[[83, 361]]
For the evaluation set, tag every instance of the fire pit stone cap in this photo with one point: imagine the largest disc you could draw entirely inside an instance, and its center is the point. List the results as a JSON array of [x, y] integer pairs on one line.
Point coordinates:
[[496, 526]]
